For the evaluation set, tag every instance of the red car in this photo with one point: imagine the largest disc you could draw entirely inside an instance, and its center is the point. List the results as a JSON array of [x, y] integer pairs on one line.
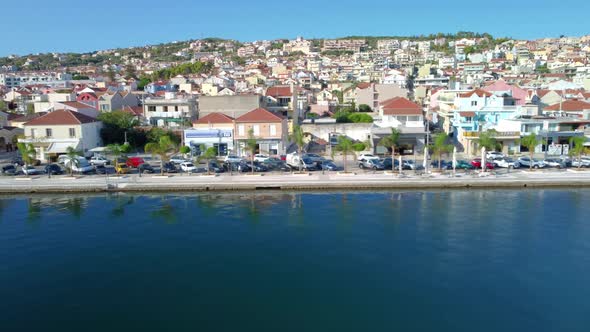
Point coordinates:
[[135, 161], [477, 163]]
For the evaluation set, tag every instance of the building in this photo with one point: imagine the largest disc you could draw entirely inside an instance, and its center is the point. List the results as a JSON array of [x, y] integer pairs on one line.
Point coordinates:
[[213, 130], [269, 129], [405, 116], [171, 111], [51, 134], [374, 94], [14, 80], [232, 106], [351, 45]]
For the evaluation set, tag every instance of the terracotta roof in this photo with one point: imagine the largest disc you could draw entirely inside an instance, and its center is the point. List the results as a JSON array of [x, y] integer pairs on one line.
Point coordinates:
[[279, 91], [480, 93], [135, 110], [259, 115], [61, 117], [75, 104], [467, 114], [363, 85], [569, 106], [400, 106], [26, 118], [215, 118]]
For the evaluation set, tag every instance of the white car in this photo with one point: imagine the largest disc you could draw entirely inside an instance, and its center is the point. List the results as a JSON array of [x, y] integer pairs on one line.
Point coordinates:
[[232, 159], [583, 162], [526, 162], [506, 163], [367, 156], [492, 155], [188, 167], [261, 157], [178, 159], [99, 161]]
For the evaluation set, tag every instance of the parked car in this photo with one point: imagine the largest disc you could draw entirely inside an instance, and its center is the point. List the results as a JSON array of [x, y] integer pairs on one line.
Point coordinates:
[[81, 166], [260, 157], [492, 155], [329, 165], [374, 164], [276, 164], [17, 161], [366, 156], [169, 167], [8, 170], [314, 157], [215, 167], [463, 164], [134, 162], [188, 167], [99, 169], [30, 170], [525, 161], [555, 162], [122, 168], [308, 164], [443, 164], [506, 163], [146, 168], [178, 159], [260, 167], [477, 163], [98, 160], [243, 167], [53, 169], [232, 158], [582, 162]]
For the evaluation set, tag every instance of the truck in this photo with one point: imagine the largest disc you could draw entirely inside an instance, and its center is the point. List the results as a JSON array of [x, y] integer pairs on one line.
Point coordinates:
[[293, 160]]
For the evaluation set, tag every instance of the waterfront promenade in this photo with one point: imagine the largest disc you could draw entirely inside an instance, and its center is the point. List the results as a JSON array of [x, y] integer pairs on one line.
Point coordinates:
[[287, 181]]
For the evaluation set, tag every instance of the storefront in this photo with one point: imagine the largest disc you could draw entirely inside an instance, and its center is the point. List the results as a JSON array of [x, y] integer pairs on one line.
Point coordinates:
[[220, 139]]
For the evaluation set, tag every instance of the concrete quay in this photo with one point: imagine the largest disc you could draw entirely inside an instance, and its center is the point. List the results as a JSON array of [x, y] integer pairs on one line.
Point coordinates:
[[287, 181]]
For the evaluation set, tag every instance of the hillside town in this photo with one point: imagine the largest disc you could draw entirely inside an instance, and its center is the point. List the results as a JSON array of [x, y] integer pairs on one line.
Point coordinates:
[[220, 94]]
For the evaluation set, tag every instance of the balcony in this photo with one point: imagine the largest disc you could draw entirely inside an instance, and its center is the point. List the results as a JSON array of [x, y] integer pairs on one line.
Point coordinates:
[[499, 134]]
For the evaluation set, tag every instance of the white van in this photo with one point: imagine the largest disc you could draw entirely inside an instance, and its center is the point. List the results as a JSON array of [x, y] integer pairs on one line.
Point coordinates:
[[83, 165]]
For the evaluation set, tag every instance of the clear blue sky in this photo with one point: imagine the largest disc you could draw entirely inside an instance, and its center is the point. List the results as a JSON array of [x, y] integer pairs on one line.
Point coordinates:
[[59, 25]]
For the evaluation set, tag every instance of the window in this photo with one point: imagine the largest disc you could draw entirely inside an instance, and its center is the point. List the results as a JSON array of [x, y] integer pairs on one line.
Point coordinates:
[[175, 108], [474, 103], [165, 108], [48, 132], [273, 130], [33, 132], [151, 108], [72, 132], [241, 130], [256, 129], [104, 107]]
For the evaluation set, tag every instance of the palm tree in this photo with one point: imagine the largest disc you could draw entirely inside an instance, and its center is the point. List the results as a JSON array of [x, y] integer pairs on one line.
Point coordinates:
[[210, 153], [298, 137], [391, 141], [72, 159], [345, 146], [251, 145], [530, 142], [440, 146], [487, 139], [162, 148], [117, 150], [578, 147], [28, 153]]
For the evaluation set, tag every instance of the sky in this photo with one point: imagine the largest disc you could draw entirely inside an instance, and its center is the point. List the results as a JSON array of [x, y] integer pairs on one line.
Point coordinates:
[[35, 26]]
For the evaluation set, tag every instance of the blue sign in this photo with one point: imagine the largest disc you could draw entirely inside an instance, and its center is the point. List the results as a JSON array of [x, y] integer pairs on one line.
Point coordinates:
[[215, 133]]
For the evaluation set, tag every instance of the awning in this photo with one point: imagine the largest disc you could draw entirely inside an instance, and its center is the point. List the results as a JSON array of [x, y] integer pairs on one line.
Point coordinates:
[[61, 147]]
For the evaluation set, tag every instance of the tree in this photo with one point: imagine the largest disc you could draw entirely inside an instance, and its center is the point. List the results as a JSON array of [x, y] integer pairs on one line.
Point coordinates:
[[298, 137], [208, 155], [391, 141], [117, 150], [184, 149], [27, 152], [130, 71], [440, 146], [251, 145], [578, 147], [117, 125], [530, 142], [156, 133], [345, 146], [162, 148], [72, 159], [487, 139], [365, 108]]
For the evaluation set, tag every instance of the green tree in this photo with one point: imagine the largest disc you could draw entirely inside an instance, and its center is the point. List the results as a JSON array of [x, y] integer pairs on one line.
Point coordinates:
[[298, 137], [251, 145], [360, 118], [530, 142], [487, 139], [391, 141], [208, 155], [365, 108], [117, 150], [72, 159], [578, 148], [163, 148], [156, 133], [440, 146], [27, 152], [184, 149], [345, 146]]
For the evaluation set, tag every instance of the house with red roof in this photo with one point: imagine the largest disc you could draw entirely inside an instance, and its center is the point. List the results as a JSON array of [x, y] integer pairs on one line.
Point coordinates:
[[212, 130], [572, 107], [280, 98], [52, 133], [374, 94], [269, 129]]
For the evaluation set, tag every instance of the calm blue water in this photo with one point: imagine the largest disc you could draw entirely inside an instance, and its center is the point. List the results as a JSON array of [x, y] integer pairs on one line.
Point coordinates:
[[412, 261]]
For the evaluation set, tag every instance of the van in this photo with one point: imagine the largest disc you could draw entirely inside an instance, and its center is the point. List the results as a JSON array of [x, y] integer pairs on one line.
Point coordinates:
[[83, 166], [135, 161]]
